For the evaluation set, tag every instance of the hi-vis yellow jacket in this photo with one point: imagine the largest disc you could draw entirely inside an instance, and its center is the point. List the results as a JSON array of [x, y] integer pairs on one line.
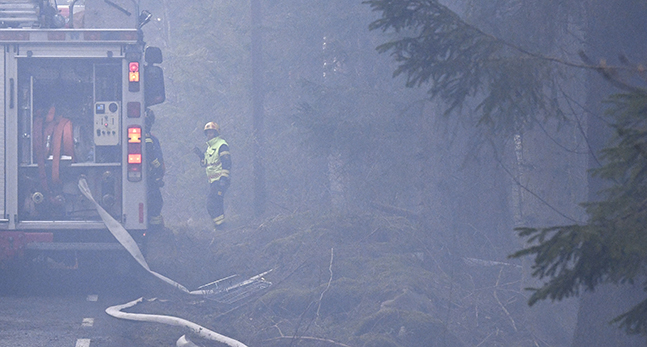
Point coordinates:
[[212, 160]]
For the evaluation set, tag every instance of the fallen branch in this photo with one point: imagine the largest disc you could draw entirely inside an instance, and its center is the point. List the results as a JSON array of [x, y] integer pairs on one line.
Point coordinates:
[[329, 281], [485, 339], [309, 338], [395, 210], [501, 304]]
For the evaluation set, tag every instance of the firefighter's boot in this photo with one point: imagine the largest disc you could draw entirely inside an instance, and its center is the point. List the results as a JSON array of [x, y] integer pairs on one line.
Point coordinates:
[[219, 223]]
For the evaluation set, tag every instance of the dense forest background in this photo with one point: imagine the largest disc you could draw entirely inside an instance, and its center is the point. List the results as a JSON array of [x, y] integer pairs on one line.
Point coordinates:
[[493, 121]]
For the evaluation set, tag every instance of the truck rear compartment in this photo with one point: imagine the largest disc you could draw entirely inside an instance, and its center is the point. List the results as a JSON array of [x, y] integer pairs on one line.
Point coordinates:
[[87, 93]]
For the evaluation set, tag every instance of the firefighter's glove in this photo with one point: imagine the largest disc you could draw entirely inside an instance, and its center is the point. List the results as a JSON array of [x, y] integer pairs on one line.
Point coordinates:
[[198, 152], [155, 182]]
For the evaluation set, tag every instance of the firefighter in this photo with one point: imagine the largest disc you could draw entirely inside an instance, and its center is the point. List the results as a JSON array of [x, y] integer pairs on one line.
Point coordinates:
[[155, 175], [217, 161]]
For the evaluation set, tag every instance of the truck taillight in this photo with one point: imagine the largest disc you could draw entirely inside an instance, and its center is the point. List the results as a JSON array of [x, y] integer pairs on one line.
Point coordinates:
[[133, 76], [135, 135], [134, 158], [133, 72], [134, 153]]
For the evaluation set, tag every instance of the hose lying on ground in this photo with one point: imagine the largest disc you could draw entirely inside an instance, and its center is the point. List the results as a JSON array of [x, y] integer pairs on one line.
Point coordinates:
[[129, 243], [201, 331], [184, 342]]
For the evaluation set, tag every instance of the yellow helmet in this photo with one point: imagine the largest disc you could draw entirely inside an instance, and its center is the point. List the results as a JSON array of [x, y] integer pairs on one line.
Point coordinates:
[[212, 126]]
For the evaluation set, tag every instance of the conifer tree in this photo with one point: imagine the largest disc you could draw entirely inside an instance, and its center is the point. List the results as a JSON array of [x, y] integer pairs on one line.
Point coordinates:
[[457, 60]]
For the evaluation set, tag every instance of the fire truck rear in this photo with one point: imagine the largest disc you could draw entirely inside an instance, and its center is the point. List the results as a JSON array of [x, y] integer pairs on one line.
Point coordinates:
[[76, 81]]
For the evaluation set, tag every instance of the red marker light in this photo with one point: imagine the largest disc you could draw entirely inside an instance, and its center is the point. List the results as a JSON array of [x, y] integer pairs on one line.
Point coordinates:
[[134, 153], [134, 158], [133, 72]]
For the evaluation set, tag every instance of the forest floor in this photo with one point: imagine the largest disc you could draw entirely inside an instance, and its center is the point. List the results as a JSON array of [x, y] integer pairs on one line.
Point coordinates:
[[357, 280]]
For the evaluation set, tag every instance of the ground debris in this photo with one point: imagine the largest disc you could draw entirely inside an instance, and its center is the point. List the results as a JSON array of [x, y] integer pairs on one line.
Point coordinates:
[[341, 280]]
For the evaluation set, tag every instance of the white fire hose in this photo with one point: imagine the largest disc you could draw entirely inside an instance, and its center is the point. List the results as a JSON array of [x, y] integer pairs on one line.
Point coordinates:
[[130, 245], [115, 311], [184, 342]]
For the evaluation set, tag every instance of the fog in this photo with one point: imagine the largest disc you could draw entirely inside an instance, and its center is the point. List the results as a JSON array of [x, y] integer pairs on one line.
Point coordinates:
[[463, 165]]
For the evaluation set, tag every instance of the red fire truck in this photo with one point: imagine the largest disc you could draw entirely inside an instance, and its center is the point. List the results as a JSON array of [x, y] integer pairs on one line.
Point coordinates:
[[76, 79]]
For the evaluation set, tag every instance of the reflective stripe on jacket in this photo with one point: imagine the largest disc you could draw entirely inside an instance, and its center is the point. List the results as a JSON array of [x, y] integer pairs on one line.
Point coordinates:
[[212, 160], [155, 158]]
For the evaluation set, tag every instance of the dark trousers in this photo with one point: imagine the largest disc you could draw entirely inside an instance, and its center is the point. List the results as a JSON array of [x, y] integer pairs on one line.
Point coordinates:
[[155, 204], [215, 202]]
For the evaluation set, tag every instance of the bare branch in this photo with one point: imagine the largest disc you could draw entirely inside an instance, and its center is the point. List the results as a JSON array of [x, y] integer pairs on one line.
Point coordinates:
[[320, 339], [329, 281]]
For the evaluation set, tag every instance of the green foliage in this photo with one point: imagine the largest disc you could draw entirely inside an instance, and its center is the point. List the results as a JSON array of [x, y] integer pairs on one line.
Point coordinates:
[[509, 79], [612, 246], [447, 52], [436, 47]]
